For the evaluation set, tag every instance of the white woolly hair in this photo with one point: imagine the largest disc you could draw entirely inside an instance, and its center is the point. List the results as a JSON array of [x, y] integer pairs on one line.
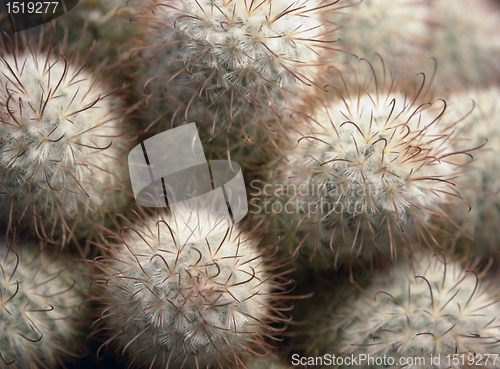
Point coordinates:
[[204, 303]]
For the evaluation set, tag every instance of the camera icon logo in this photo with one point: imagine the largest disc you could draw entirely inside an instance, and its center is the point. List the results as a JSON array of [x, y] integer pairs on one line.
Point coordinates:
[[24, 14], [171, 170]]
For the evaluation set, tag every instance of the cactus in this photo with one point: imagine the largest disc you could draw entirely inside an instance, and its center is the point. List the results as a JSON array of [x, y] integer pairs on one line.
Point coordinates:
[[202, 303], [40, 308], [480, 111], [397, 31], [430, 306], [465, 43], [98, 24], [60, 150], [232, 64], [367, 174]]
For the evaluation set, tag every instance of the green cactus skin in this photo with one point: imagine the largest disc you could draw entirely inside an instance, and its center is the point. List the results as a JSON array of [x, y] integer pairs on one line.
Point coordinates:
[[103, 25]]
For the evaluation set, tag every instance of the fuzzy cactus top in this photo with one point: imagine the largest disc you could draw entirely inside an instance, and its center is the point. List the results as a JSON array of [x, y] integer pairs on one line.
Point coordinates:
[[58, 139], [428, 307], [374, 166], [234, 63], [205, 302]]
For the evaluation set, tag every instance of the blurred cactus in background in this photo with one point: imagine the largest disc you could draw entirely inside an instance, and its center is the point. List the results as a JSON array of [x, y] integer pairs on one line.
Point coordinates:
[[41, 311], [465, 43], [396, 31], [479, 114]]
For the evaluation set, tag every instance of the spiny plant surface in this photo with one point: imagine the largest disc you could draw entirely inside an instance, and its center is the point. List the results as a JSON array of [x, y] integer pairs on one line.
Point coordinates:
[[205, 303], [429, 306], [233, 64], [59, 142], [480, 112], [368, 173], [40, 308]]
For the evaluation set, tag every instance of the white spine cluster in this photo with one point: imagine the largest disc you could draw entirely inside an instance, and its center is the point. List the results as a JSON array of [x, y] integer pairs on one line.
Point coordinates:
[[39, 308], [199, 304], [373, 166], [233, 63], [429, 307], [58, 141]]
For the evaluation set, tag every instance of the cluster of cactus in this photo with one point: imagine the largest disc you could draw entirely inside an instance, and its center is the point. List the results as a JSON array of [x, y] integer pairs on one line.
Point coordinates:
[[367, 136]]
